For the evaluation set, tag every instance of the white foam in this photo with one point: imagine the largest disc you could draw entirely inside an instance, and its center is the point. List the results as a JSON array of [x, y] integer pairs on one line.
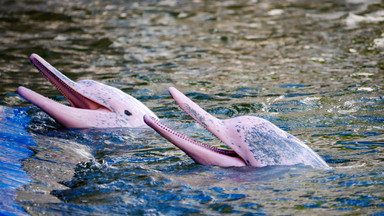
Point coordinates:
[[275, 12], [354, 20]]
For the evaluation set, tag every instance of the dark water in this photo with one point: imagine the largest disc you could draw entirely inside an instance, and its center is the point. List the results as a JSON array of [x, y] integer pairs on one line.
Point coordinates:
[[314, 68]]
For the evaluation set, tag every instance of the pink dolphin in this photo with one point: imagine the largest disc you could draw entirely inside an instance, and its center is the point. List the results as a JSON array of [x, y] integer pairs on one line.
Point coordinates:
[[253, 141], [93, 104]]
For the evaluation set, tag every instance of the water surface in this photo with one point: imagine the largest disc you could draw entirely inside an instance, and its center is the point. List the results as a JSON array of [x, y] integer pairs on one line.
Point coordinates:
[[314, 68]]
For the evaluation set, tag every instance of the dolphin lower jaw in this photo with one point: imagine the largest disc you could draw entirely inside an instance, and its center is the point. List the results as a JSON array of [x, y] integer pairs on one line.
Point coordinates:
[[70, 117], [199, 152]]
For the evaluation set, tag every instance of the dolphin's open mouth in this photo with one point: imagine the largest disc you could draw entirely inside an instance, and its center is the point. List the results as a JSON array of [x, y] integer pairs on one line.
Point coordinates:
[[65, 85], [199, 152], [82, 107], [92, 104]]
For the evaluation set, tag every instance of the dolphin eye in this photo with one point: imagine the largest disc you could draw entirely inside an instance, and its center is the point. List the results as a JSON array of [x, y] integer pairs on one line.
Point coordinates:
[[126, 112]]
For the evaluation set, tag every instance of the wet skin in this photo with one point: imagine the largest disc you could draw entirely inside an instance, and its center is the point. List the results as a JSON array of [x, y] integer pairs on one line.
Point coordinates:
[[253, 141], [93, 104]]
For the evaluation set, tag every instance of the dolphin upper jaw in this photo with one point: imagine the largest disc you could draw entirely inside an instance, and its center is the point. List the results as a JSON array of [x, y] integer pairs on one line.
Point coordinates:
[[69, 89]]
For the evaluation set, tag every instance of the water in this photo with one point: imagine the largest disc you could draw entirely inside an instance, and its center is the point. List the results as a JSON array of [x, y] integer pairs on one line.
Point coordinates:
[[14, 147], [314, 68]]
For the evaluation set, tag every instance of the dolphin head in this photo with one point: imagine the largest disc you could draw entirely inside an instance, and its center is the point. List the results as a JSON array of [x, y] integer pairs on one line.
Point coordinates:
[[253, 141], [93, 104]]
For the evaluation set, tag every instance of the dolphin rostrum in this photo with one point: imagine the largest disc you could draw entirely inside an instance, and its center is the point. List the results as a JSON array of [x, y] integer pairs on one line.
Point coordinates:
[[93, 104], [253, 141]]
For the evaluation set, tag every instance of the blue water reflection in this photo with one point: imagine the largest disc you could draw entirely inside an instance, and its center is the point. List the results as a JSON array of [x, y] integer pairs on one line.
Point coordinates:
[[14, 143]]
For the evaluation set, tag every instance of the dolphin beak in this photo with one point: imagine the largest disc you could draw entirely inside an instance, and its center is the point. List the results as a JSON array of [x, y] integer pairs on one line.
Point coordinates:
[[199, 152]]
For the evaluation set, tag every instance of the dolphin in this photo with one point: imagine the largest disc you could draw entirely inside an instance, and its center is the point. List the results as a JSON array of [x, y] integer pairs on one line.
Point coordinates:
[[93, 104], [253, 141]]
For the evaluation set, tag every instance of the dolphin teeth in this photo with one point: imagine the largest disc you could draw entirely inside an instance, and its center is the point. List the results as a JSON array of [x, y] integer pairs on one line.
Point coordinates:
[[168, 130]]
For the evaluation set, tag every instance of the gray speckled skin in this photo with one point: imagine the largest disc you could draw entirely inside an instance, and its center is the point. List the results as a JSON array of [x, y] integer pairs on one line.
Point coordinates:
[[262, 143], [93, 104], [256, 141]]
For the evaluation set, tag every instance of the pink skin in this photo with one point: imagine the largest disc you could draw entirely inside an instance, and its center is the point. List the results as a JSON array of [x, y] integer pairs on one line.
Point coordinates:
[[93, 104], [254, 141]]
